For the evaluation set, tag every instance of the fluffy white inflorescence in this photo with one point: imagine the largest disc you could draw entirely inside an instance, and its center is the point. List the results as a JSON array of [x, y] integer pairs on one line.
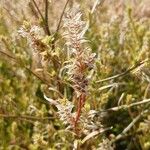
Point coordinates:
[[82, 58]]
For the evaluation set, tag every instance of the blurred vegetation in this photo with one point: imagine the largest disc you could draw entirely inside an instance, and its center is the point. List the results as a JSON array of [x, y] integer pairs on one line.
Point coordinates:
[[119, 34]]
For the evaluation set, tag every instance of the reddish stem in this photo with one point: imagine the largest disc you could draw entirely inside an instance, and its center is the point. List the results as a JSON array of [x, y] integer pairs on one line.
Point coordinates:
[[81, 101]]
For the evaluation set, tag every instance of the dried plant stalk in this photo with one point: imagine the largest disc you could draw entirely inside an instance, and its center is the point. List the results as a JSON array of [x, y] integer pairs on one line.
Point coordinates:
[[82, 58]]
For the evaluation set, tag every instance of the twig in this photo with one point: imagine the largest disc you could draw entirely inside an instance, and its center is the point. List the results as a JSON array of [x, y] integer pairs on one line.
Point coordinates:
[[128, 106], [14, 59], [46, 17], [58, 26], [35, 4], [17, 62], [33, 9], [121, 98], [61, 16], [45, 20], [32, 72], [95, 133], [123, 73], [55, 90], [146, 91], [36, 76], [25, 117], [97, 2], [108, 86], [81, 102], [129, 126]]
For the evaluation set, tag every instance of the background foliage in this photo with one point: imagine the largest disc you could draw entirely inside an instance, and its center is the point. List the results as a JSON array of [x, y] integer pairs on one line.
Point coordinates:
[[119, 34]]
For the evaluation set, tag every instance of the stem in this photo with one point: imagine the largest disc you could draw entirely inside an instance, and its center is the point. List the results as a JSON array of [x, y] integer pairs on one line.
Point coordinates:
[[78, 112], [81, 102], [35, 4], [61, 16], [97, 2], [135, 120], [46, 18], [25, 117], [17, 62], [58, 26], [124, 73], [129, 106], [32, 72]]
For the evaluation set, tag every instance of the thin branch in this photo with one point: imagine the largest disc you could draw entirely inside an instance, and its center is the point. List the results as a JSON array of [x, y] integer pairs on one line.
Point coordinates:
[[36, 76], [121, 98], [46, 17], [124, 73], [108, 86], [45, 20], [14, 59], [59, 23], [25, 117], [129, 126], [33, 10], [78, 111], [129, 106], [95, 133], [97, 2], [147, 91], [17, 62], [35, 4], [61, 16], [32, 72]]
